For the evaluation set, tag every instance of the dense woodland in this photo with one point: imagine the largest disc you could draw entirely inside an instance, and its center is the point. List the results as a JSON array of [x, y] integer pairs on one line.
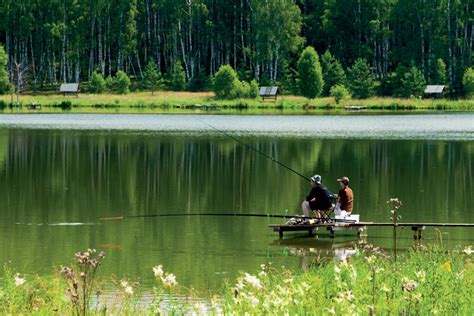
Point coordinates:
[[54, 41]]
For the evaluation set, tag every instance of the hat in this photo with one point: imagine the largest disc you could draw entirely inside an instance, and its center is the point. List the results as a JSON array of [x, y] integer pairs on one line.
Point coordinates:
[[344, 180], [316, 179]]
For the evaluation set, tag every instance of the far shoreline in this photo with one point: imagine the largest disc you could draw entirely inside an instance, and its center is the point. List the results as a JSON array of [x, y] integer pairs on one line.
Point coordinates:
[[164, 102]]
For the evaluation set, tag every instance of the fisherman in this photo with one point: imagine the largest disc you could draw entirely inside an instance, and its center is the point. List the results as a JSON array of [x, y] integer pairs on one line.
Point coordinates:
[[345, 198], [318, 199]]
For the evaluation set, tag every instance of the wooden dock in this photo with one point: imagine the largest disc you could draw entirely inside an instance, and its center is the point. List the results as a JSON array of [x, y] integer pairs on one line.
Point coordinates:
[[361, 227]]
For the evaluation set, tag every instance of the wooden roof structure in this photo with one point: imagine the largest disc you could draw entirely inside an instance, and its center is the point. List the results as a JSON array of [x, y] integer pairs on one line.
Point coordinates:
[[269, 92], [69, 88], [434, 89]]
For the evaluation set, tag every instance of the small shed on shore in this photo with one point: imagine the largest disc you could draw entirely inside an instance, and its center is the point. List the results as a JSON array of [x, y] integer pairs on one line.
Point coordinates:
[[434, 90], [70, 88], [268, 92]]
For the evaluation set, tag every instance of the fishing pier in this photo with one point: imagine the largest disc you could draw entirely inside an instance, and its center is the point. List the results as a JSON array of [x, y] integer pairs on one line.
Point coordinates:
[[361, 227]]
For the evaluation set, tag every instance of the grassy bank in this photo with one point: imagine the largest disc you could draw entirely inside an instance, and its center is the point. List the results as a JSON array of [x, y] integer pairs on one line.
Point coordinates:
[[185, 101], [422, 281]]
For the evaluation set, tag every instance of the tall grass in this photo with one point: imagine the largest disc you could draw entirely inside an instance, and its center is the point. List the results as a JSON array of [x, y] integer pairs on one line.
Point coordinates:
[[166, 100], [426, 280]]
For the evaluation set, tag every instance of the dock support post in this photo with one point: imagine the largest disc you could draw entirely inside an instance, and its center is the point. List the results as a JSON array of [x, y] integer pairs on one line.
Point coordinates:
[[332, 233], [280, 233], [362, 232], [310, 232], [417, 232]]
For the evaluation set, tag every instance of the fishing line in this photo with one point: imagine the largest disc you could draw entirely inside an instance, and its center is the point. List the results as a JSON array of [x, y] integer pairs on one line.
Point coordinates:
[[257, 151], [201, 214]]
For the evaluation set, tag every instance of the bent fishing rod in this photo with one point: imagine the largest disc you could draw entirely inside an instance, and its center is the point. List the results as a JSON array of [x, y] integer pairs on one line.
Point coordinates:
[[201, 214], [257, 151]]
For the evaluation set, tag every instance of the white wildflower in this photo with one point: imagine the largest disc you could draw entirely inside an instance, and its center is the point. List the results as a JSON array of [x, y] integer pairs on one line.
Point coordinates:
[[420, 275], [170, 280], [124, 284], [128, 290], [19, 281], [468, 250], [253, 281], [158, 271]]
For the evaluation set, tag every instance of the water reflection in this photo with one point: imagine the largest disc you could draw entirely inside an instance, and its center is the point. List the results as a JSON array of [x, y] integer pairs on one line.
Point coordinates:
[[56, 178]]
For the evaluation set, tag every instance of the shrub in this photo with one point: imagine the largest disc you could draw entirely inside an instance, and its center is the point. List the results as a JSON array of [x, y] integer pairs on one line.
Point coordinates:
[[253, 91], [226, 83], [110, 84], [339, 93], [310, 77], [468, 82], [97, 84], [178, 77], [121, 83], [361, 79], [413, 83]]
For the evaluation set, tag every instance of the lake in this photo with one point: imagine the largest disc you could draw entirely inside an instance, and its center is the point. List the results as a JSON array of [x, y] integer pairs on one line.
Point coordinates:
[[61, 173]]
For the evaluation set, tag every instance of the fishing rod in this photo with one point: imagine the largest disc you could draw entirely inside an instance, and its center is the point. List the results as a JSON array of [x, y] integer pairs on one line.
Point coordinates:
[[257, 151], [202, 214]]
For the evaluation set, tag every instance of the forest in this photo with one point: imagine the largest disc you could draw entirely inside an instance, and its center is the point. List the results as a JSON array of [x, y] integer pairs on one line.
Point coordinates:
[[54, 41]]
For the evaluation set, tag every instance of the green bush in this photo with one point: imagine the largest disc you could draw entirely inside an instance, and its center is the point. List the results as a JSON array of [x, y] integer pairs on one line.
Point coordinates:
[[121, 83], [310, 76], [339, 93], [361, 79], [97, 84], [199, 82], [440, 74], [413, 83], [253, 91], [226, 83], [110, 84], [3, 105], [468, 82]]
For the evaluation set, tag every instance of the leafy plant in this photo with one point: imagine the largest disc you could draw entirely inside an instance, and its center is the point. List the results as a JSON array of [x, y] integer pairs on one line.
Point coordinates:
[[97, 84], [361, 79], [310, 76], [339, 93]]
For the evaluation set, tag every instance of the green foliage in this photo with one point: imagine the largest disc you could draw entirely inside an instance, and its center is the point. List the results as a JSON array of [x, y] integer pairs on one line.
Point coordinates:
[[121, 83], [440, 72], [5, 85], [333, 72], [228, 86], [109, 83], [152, 77], [413, 83], [178, 77], [339, 93], [200, 82], [226, 83], [468, 82], [310, 77], [253, 90], [361, 79], [97, 84]]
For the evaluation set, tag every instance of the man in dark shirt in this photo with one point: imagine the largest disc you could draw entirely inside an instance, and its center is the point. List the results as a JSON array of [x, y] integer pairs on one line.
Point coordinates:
[[345, 197], [318, 199]]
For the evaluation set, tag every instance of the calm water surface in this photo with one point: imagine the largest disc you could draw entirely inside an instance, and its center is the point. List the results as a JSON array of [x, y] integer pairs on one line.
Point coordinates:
[[60, 173]]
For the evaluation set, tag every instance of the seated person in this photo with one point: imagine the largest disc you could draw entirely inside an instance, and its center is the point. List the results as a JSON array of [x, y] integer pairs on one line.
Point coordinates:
[[318, 199], [345, 198]]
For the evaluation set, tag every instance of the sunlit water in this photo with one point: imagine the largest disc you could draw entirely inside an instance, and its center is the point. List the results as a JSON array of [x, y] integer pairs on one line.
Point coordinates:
[[60, 174]]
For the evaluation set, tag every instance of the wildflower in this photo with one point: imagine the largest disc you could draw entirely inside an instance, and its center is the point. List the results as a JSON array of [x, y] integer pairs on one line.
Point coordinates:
[[385, 288], [253, 281], [124, 284], [447, 265], [19, 281], [158, 271], [331, 311], [420, 275], [409, 285], [128, 290], [169, 280], [337, 269], [468, 250], [102, 254]]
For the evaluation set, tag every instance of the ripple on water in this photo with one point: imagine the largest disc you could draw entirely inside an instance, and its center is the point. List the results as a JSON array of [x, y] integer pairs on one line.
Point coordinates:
[[449, 126]]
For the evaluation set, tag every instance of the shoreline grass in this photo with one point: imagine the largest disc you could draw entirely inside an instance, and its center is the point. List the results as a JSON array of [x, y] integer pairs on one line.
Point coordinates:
[[423, 281], [184, 101]]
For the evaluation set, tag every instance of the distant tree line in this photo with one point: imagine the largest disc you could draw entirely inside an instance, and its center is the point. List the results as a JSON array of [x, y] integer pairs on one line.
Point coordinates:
[[395, 41]]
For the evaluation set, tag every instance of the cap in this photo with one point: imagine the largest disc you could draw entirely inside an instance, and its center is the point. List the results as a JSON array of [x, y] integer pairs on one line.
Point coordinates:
[[344, 180], [316, 179]]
